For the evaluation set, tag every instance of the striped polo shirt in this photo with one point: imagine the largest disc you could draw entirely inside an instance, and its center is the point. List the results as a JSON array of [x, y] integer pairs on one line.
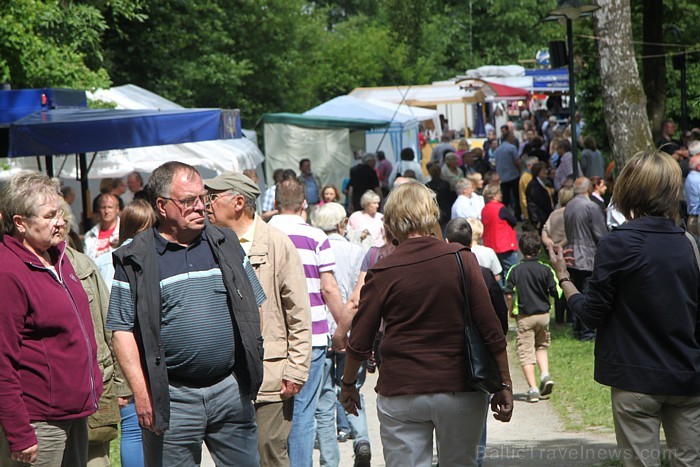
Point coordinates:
[[317, 257], [196, 326]]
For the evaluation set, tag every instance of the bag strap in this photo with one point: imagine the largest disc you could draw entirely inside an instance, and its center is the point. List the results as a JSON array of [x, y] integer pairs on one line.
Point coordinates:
[[467, 314], [694, 243]]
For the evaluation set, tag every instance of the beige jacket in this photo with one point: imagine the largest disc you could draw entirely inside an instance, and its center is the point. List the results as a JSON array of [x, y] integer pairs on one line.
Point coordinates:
[[285, 316]]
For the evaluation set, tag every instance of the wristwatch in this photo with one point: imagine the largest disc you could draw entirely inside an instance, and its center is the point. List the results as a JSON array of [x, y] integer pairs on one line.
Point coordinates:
[[565, 279], [506, 386]]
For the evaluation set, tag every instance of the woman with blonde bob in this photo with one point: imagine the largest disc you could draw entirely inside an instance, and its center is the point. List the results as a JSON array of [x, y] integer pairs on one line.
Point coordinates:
[[643, 300], [422, 385]]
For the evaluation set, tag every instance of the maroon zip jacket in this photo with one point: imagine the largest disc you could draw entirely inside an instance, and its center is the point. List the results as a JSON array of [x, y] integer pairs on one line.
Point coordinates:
[[48, 364]]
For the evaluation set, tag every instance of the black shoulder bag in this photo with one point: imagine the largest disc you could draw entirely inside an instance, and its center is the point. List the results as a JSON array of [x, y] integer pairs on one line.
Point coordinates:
[[482, 369]]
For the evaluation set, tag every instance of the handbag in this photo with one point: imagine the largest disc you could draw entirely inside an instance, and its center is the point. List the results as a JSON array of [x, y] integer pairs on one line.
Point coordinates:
[[482, 370]]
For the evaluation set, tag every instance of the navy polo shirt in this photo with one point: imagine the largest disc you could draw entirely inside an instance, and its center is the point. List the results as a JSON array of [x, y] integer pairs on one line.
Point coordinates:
[[196, 323]]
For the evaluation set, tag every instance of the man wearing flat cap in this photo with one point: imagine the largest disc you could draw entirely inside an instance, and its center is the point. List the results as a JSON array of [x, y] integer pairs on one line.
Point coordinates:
[[284, 316]]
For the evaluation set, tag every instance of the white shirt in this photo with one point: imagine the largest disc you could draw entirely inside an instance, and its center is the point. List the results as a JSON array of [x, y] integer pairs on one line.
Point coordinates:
[[487, 258], [468, 207]]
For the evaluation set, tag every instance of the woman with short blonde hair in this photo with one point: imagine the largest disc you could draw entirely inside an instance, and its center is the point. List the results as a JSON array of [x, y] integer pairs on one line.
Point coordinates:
[[411, 209], [423, 388]]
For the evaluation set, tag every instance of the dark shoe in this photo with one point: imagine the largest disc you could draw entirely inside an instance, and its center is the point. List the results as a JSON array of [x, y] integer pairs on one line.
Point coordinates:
[[342, 437], [363, 454], [546, 386], [533, 395]]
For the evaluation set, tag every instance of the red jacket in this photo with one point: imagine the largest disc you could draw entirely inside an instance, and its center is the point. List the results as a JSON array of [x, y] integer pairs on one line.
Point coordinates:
[[48, 354], [498, 234]]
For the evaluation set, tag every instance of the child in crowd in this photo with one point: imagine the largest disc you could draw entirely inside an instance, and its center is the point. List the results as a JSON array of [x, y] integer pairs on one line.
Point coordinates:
[[528, 287]]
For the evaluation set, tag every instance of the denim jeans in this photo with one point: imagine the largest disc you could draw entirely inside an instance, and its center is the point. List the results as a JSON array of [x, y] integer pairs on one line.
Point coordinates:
[[341, 417], [325, 419], [131, 448], [358, 423], [219, 415], [507, 260], [301, 439]]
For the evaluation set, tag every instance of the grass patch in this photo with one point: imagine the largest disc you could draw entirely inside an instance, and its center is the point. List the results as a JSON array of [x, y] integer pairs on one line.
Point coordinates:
[[582, 403], [115, 457]]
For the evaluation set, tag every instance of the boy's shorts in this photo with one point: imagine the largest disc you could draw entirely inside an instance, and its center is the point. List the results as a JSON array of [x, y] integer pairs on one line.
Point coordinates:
[[533, 334]]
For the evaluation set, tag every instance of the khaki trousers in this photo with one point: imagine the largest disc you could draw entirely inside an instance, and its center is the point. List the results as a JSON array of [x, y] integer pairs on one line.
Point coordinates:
[[638, 418], [274, 421], [61, 443]]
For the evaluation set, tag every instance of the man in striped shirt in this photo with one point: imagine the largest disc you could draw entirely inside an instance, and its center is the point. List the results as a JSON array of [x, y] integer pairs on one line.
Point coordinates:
[[319, 263]]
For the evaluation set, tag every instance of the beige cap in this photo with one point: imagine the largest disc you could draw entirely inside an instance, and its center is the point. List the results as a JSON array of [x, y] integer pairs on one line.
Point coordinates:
[[234, 181]]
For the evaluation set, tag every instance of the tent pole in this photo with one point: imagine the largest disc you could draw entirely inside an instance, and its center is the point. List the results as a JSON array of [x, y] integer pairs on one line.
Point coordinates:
[[49, 165], [84, 191]]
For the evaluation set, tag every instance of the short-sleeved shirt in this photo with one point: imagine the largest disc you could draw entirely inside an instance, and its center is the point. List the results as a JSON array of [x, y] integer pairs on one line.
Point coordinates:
[[316, 257], [196, 324], [531, 283], [267, 201], [487, 258]]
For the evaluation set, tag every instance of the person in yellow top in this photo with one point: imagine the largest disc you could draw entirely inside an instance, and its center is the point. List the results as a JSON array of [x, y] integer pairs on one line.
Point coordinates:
[[525, 179]]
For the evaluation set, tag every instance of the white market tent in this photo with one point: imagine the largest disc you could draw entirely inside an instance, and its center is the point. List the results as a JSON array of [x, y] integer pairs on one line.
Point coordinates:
[[401, 133], [326, 141], [447, 98]]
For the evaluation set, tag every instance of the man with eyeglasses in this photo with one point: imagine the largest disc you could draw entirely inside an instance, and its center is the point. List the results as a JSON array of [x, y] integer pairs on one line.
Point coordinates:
[[285, 314], [187, 330]]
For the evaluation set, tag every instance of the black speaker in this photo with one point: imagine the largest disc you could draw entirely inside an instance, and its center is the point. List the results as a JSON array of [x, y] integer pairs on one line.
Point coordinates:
[[557, 54]]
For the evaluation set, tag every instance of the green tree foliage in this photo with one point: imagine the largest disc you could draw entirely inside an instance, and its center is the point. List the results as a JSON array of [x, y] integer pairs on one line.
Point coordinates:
[[290, 55], [50, 43]]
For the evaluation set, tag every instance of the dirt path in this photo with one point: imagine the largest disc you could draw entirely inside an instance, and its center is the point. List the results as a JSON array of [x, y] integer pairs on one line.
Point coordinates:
[[536, 435]]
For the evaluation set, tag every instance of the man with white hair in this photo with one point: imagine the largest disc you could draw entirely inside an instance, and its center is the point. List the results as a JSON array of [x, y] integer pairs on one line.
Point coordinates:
[[584, 224], [468, 204], [692, 188], [285, 314]]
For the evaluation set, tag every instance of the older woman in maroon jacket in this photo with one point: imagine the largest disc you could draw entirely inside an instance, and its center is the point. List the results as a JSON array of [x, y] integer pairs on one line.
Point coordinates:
[[50, 381], [423, 382]]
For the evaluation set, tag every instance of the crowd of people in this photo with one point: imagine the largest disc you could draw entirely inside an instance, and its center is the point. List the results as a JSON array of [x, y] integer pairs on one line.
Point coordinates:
[[206, 311]]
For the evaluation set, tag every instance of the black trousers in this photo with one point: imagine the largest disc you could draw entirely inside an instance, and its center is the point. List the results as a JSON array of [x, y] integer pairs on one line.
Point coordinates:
[[580, 279], [511, 196]]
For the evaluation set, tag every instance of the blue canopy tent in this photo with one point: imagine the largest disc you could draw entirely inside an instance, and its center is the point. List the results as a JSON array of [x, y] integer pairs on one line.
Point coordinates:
[[70, 131]]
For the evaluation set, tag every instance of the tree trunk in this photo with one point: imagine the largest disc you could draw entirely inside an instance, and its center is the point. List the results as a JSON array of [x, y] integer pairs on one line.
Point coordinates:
[[654, 64], [624, 102]]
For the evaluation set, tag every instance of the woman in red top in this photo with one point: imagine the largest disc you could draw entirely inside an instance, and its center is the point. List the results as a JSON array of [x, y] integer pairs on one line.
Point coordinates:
[[499, 232]]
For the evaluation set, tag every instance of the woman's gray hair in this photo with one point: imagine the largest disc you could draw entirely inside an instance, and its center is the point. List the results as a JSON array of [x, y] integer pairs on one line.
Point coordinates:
[[369, 196], [26, 191], [328, 216]]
